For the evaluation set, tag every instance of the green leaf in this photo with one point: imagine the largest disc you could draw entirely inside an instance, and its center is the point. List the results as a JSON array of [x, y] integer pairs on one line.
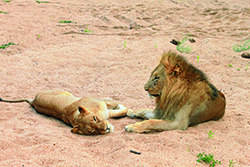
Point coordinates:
[[3, 12], [42, 1], [207, 159], [239, 48], [6, 45], [65, 21]]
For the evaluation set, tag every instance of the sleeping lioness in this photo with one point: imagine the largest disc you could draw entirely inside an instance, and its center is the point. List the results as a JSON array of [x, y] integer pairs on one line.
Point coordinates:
[[86, 115]]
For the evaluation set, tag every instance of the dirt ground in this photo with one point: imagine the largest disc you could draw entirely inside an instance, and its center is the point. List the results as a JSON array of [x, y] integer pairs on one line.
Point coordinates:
[[109, 50]]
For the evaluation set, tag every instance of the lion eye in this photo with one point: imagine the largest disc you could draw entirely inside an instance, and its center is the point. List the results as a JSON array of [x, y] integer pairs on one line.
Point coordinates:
[[94, 118], [156, 78], [92, 130]]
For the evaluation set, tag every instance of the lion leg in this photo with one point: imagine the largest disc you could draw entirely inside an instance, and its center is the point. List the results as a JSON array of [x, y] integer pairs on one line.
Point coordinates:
[[155, 125], [115, 109], [119, 111], [144, 113], [181, 122], [111, 104]]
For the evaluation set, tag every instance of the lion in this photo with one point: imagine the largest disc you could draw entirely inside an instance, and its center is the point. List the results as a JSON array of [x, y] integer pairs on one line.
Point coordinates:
[[183, 96], [86, 115]]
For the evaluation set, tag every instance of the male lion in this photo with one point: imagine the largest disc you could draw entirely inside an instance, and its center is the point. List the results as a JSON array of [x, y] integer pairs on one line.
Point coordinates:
[[86, 115], [184, 97]]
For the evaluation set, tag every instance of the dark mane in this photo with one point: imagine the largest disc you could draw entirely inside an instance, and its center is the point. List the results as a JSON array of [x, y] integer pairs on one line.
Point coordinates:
[[188, 70], [179, 75]]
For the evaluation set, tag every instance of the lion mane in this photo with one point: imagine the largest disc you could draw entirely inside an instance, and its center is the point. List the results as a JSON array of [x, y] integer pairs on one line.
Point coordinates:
[[181, 76]]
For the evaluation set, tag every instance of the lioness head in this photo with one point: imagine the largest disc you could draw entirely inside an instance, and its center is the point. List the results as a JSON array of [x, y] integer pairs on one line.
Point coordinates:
[[89, 123]]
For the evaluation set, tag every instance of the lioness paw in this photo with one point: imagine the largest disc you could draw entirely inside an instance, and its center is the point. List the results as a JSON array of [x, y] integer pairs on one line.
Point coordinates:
[[121, 107]]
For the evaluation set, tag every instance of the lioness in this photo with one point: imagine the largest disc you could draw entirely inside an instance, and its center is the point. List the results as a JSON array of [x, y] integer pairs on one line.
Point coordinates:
[[184, 96], [86, 115]]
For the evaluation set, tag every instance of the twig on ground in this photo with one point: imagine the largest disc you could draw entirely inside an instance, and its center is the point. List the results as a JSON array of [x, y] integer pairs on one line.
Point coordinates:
[[135, 152]]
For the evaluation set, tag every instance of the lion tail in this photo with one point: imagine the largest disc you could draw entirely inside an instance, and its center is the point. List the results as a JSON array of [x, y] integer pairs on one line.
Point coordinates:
[[30, 101]]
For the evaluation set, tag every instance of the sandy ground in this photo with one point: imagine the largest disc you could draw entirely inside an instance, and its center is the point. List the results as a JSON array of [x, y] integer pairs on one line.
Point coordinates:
[[52, 55]]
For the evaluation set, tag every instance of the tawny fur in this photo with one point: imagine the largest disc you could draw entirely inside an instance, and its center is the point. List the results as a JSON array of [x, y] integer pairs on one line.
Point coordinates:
[[184, 97], [86, 115]]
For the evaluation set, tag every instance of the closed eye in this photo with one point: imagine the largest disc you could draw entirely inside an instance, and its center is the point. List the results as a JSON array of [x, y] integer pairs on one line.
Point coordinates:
[[94, 118], [156, 78]]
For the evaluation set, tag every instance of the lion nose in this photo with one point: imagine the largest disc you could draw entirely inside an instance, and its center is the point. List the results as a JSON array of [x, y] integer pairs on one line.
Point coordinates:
[[146, 88]]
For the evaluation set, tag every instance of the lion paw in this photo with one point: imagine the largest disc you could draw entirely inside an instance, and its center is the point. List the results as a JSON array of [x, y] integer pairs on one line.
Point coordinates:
[[130, 113], [135, 128], [129, 128]]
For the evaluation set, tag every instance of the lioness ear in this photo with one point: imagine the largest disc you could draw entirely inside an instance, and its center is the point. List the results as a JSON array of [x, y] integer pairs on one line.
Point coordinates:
[[176, 70], [82, 110]]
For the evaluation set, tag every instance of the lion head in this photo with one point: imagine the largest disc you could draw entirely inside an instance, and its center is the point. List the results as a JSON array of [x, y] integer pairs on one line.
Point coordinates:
[[156, 82], [164, 76], [89, 123]]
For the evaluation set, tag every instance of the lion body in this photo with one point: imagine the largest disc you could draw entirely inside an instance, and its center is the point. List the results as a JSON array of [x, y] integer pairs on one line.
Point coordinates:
[[184, 97], [87, 115]]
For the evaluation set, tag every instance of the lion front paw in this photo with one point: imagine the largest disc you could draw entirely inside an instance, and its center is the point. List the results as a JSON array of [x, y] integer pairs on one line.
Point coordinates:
[[129, 128], [130, 113], [137, 128]]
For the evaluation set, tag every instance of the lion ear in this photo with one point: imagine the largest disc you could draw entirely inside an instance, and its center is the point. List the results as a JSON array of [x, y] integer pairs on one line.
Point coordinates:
[[176, 70], [82, 110]]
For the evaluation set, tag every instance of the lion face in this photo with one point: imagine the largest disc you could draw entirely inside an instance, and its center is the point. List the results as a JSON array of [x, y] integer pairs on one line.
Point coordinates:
[[88, 123], [156, 81]]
